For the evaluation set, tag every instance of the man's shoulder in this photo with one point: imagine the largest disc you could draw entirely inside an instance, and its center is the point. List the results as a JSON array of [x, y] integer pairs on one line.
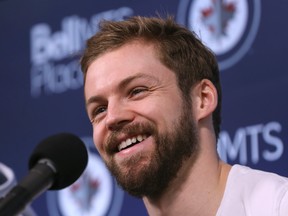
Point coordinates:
[[254, 184], [255, 192], [256, 178]]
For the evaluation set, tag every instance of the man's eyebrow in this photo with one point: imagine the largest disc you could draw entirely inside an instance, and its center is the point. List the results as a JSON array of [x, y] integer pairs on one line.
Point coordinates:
[[129, 79], [94, 99], [122, 85]]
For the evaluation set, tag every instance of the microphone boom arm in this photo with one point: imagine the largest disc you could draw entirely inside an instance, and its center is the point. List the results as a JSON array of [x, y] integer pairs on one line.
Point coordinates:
[[40, 178]]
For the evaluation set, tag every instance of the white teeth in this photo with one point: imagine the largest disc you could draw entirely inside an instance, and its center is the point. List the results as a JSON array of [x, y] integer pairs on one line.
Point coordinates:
[[129, 141], [139, 138]]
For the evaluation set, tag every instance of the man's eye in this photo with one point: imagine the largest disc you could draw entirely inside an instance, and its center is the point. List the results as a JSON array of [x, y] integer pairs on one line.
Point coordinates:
[[96, 112], [137, 91], [99, 110]]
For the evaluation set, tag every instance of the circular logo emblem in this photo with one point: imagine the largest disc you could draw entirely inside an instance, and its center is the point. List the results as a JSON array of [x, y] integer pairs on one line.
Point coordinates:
[[94, 193], [228, 27]]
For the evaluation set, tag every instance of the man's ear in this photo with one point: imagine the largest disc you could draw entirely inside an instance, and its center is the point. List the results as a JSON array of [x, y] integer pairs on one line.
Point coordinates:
[[204, 99]]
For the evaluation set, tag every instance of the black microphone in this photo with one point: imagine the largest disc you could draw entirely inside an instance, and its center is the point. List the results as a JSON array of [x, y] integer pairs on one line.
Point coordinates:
[[55, 163]]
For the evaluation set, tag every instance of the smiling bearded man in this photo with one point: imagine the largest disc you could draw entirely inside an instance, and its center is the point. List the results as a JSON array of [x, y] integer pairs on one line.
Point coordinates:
[[153, 96]]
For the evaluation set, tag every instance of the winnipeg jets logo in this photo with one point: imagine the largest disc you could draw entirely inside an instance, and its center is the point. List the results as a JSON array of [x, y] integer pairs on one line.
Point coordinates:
[[228, 27], [94, 193]]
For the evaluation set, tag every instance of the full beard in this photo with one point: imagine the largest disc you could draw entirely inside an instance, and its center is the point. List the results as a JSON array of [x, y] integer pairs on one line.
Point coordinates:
[[149, 175]]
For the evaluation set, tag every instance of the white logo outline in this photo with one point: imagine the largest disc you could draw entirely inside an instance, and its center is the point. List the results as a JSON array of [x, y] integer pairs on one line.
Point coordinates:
[[183, 13]]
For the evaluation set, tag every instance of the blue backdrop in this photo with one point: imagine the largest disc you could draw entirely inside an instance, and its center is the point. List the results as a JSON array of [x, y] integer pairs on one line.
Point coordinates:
[[41, 87]]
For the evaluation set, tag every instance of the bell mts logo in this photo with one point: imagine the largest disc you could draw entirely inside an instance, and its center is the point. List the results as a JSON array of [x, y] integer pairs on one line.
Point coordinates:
[[95, 193], [227, 27]]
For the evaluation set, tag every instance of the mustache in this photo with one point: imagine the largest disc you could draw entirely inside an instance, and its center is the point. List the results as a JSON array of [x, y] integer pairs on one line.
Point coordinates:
[[112, 142]]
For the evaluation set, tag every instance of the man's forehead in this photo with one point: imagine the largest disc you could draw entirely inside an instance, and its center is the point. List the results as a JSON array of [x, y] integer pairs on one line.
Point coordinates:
[[136, 60], [127, 59]]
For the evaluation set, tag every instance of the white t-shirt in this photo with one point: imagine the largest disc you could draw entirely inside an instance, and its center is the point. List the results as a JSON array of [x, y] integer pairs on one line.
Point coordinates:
[[252, 192]]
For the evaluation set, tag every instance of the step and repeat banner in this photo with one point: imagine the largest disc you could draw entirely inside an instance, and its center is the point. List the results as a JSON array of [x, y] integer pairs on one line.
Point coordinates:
[[41, 87]]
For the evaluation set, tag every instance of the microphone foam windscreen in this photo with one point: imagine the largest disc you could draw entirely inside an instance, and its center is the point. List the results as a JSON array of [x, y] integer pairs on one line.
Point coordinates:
[[68, 154]]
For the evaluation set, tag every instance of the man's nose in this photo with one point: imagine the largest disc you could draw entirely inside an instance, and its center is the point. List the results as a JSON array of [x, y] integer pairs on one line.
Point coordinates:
[[117, 116]]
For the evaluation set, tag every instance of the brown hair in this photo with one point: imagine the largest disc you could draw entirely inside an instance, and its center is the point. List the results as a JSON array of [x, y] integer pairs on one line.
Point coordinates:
[[178, 49]]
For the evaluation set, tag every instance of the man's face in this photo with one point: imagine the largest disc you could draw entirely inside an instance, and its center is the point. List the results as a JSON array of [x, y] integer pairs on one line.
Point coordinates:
[[142, 128]]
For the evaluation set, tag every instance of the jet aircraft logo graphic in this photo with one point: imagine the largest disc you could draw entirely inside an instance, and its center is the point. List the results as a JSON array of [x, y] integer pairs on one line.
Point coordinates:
[[217, 16]]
